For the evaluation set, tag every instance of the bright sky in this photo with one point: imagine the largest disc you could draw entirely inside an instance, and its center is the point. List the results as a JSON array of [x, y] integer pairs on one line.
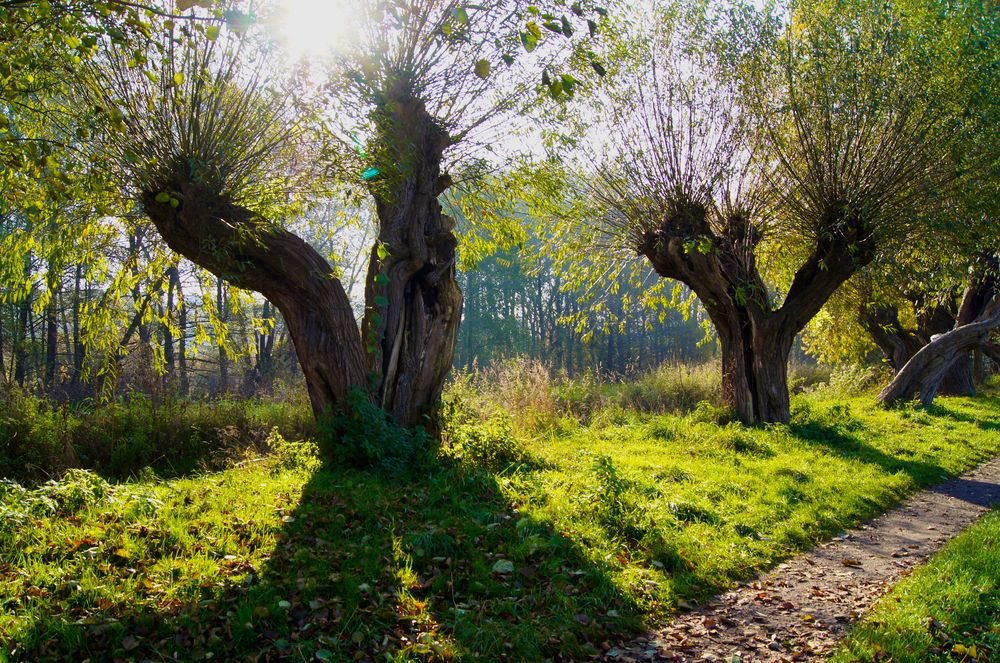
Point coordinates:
[[314, 28]]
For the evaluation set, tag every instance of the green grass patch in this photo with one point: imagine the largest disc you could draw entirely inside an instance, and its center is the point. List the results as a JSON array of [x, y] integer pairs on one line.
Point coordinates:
[[528, 546], [947, 610]]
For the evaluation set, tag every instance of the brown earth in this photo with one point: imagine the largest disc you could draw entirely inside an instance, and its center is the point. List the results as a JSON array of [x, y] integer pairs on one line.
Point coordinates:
[[800, 610]]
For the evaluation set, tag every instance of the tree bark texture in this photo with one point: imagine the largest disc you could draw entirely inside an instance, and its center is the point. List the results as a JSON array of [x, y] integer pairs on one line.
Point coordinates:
[[414, 304], [755, 338], [248, 251]]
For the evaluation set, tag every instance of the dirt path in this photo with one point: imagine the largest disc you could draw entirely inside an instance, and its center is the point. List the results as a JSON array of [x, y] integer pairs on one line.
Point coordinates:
[[801, 609]]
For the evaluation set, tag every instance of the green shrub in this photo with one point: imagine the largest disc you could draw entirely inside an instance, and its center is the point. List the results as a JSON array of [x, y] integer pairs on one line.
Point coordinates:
[[366, 437], [489, 444], [615, 504], [705, 412], [292, 454]]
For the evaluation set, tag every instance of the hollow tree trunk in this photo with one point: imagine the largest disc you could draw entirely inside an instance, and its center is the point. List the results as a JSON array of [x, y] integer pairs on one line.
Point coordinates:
[[414, 308], [923, 374], [233, 243]]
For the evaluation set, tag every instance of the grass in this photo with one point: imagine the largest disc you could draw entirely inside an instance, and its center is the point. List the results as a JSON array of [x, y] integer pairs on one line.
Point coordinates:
[[948, 609], [516, 541]]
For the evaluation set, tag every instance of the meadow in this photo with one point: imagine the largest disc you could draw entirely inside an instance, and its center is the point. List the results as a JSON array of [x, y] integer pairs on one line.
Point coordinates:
[[555, 518]]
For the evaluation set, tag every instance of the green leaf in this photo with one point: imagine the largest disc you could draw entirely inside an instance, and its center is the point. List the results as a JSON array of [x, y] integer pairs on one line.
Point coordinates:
[[567, 28], [212, 32], [460, 15], [483, 69], [178, 78], [503, 566], [381, 301], [529, 41], [163, 197], [553, 26], [382, 250], [592, 26], [381, 279]]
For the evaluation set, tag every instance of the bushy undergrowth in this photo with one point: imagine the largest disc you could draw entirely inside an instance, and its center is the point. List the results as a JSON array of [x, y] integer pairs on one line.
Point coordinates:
[[39, 439], [540, 400], [366, 437], [483, 443]]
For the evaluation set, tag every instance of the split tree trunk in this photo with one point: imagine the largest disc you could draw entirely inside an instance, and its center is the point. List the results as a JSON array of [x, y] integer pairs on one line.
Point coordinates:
[[755, 338], [235, 244], [414, 304]]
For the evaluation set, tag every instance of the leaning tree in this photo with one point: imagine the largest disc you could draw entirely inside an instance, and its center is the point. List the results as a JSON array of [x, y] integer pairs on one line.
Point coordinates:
[[767, 143], [211, 149]]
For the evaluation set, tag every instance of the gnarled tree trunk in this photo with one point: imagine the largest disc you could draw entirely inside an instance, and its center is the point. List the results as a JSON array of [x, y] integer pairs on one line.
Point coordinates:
[[235, 244], [896, 342], [414, 303], [923, 374], [755, 338]]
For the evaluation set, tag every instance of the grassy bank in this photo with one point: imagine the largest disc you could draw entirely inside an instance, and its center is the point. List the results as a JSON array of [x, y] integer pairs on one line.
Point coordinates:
[[948, 609], [519, 539]]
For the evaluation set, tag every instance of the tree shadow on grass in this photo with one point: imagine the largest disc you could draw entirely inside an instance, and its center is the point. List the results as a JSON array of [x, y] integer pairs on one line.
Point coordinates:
[[985, 422], [433, 566], [841, 441]]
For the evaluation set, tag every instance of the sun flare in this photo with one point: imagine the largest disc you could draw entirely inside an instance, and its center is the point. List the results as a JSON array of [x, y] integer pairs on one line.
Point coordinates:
[[313, 28]]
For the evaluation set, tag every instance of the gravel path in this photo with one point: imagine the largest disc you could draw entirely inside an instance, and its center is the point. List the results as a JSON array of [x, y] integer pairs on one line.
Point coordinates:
[[800, 610]]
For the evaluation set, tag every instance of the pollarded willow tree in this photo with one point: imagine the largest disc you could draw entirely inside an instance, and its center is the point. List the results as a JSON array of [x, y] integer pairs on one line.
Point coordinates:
[[945, 277], [750, 144], [211, 149]]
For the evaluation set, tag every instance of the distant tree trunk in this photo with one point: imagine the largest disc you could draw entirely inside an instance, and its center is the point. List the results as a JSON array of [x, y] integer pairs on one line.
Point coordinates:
[[3, 366], [79, 351], [414, 303], [221, 308], [923, 374], [184, 384], [168, 337], [21, 343], [232, 242], [51, 340], [264, 362]]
